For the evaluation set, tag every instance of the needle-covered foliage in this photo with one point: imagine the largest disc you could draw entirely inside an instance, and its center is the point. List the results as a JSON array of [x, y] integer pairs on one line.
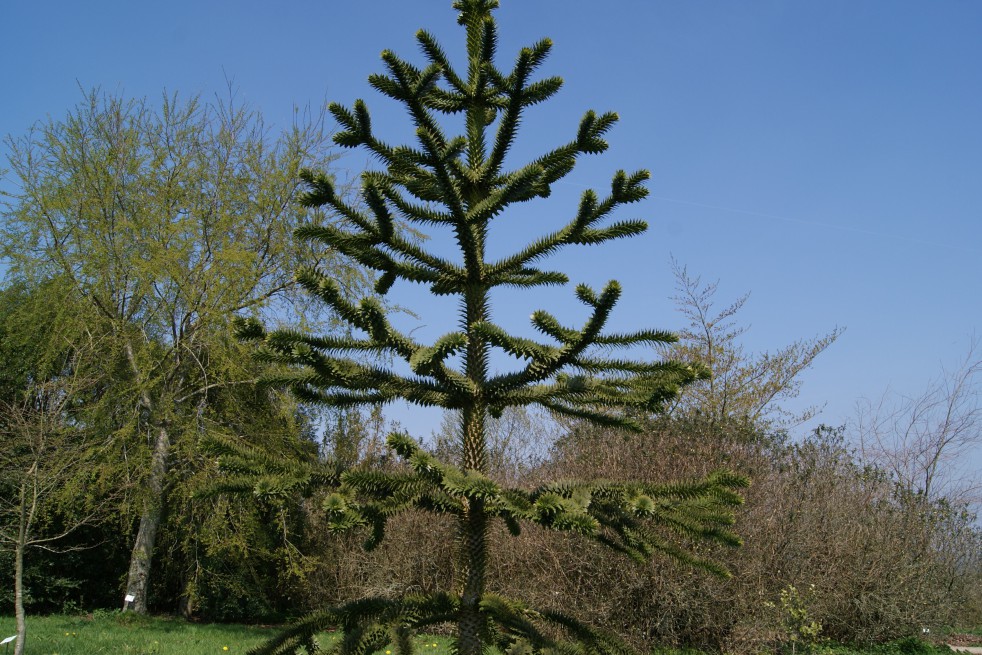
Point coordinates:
[[460, 182]]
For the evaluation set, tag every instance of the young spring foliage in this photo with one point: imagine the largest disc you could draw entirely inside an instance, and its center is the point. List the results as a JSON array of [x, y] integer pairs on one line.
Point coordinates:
[[460, 182]]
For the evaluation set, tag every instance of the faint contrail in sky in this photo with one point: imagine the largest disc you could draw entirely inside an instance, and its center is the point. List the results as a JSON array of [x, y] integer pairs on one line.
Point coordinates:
[[833, 226]]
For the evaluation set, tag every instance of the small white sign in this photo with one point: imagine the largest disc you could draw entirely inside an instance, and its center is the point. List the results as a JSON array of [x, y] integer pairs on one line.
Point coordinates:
[[8, 640], [129, 598]]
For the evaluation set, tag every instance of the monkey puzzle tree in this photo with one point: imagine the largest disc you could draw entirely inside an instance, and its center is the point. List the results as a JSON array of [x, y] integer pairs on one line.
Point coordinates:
[[460, 182]]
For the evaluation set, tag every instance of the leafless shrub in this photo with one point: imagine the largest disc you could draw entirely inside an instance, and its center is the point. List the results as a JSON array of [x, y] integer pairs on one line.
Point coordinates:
[[873, 563], [865, 560], [925, 441]]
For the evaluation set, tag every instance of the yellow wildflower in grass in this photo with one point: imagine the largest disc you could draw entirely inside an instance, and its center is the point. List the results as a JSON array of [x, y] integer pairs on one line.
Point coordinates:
[[224, 647]]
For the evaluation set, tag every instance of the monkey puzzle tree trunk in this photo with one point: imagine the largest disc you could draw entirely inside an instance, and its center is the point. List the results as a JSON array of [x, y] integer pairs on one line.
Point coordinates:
[[474, 522], [146, 537], [474, 550]]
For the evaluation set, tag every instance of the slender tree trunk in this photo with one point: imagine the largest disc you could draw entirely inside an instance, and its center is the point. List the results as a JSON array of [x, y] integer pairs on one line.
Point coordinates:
[[138, 579], [474, 523], [473, 539], [19, 573], [146, 537]]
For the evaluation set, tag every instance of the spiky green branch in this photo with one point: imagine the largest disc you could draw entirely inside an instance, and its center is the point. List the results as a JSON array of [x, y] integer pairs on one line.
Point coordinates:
[[459, 181]]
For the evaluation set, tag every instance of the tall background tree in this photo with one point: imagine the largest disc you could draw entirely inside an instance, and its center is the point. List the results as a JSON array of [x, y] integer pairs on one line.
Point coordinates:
[[751, 389], [460, 183], [164, 219]]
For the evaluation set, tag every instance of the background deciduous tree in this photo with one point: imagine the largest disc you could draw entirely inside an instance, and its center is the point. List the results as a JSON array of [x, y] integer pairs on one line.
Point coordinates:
[[43, 462], [745, 387], [51, 481], [927, 441], [164, 220]]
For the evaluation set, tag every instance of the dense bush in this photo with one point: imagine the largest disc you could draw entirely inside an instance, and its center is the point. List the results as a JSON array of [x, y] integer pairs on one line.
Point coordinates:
[[833, 551]]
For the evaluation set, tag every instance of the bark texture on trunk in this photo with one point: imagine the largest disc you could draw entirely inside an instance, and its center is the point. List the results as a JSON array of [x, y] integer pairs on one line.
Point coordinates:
[[19, 573], [141, 558], [474, 523], [474, 546]]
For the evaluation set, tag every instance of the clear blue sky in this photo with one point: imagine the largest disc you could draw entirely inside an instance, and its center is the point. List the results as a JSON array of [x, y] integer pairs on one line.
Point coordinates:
[[824, 155]]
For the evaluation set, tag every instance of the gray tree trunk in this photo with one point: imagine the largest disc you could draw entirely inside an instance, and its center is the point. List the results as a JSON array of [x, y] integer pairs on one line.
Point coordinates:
[[141, 558], [19, 573]]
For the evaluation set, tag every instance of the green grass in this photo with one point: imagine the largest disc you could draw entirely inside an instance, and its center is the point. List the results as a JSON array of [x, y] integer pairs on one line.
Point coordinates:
[[129, 634]]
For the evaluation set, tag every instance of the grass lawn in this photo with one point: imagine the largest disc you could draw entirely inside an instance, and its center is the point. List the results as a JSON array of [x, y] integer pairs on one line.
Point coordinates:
[[129, 634]]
